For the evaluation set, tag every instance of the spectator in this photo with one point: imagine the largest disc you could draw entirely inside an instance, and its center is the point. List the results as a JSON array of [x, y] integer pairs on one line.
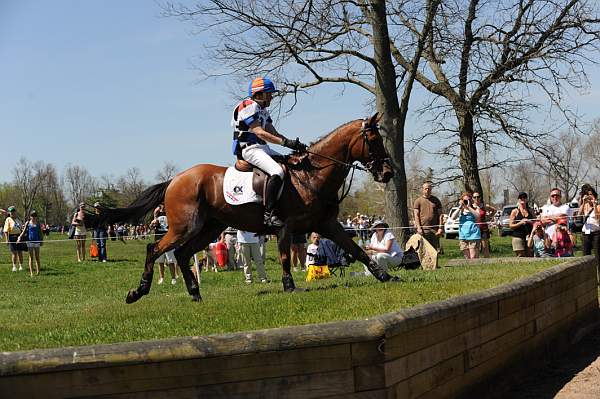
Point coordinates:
[[520, 222], [78, 221], [100, 234], [556, 209], [312, 249], [231, 241], [249, 248], [590, 212], [539, 242], [161, 226], [12, 229], [383, 248], [429, 216], [32, 233], [298, 251], [468, 231], [561, 239], [483, 210]]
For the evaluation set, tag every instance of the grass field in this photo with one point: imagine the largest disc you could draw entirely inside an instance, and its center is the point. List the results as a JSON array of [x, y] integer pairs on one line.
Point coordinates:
[[80, 304]]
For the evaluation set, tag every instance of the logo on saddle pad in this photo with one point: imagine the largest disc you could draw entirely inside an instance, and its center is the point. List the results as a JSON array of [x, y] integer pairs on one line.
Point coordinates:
[[237, 187]]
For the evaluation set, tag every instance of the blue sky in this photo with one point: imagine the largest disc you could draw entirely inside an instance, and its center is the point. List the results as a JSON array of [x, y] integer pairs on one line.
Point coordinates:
[[108, 85]]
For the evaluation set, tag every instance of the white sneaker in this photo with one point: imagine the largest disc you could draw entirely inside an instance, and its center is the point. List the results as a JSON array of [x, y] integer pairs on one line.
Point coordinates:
[[14, 268], [160, 281], [173, 281], [104, 261], [20, 267]]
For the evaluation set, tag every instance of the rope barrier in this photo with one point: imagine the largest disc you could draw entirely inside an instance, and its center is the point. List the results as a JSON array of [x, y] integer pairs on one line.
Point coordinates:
[[151, 235]]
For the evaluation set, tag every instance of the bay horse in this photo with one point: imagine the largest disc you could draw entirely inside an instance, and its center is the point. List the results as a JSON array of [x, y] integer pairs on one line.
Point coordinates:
[[197, 212]]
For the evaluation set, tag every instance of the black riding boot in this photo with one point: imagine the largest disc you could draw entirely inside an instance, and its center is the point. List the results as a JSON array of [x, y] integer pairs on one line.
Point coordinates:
[[273, 186]]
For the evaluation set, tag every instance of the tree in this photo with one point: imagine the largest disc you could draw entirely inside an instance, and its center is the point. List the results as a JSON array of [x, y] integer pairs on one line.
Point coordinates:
[[51, 198], [80, 184], [131, 184], [28, 179], [167, 172], [564, 163], [306, 44], [486, 62]]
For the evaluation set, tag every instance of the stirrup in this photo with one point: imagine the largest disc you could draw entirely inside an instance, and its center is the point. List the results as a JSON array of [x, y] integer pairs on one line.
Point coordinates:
[[271, 220]]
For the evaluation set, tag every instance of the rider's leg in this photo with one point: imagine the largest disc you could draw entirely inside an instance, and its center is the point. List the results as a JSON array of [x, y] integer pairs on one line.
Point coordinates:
[[259, 156]]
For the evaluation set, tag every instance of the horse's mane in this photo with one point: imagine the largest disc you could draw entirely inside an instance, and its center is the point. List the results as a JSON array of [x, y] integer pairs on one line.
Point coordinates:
[[326, 136], [301, 161]]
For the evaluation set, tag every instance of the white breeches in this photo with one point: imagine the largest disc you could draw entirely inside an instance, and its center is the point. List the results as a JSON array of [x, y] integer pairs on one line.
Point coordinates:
[[385, 260], [259, 155]]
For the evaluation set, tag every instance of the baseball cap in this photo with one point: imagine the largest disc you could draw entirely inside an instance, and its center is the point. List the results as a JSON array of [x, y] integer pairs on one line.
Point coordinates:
[[522, 194], [11, 209]]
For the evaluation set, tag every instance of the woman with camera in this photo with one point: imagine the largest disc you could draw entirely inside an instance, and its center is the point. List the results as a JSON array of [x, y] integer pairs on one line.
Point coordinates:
[[469, 233], [521, 223]]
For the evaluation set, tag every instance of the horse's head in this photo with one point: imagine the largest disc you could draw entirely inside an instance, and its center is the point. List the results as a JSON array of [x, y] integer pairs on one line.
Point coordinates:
[[368, 149]]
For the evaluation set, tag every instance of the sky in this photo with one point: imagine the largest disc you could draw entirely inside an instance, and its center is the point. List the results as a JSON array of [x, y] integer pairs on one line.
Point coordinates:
[[108, 85]]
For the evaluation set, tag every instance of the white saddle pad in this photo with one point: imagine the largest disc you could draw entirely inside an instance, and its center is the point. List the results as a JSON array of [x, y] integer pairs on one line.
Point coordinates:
[[237, 187]]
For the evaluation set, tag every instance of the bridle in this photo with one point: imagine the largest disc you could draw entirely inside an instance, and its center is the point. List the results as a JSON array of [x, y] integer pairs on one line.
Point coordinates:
[[373, 160]]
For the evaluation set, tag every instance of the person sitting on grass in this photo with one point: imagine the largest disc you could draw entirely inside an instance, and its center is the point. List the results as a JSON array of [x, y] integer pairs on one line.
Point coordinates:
[[312, 249], [384, 248], [539, 241], [561, 240]]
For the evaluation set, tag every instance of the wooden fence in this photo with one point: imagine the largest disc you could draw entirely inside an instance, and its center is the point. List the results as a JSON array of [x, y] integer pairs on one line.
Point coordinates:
[[443, 349]]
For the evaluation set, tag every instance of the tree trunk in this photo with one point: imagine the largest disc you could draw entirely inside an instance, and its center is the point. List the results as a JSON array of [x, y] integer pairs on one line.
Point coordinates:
[[468, 152], [392, 130]]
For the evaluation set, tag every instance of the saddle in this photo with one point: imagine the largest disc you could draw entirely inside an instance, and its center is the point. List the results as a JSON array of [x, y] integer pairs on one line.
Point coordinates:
[[259, 177]]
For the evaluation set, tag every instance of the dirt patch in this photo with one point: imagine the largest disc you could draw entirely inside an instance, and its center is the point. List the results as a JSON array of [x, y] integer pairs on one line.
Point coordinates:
[[574, 375]]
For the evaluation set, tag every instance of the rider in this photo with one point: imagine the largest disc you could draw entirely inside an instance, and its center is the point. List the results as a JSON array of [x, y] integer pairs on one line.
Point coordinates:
[[253, 128]]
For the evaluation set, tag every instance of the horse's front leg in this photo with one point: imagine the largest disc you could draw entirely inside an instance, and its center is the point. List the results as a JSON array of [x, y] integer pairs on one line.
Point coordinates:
[[283, 245], [333, 230]]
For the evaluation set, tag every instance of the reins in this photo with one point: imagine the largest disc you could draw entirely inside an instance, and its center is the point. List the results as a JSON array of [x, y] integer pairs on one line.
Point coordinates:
[[347, 165]]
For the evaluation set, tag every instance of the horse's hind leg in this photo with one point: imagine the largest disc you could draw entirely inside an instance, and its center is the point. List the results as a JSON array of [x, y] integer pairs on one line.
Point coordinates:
[[153, 251], [184, 253]]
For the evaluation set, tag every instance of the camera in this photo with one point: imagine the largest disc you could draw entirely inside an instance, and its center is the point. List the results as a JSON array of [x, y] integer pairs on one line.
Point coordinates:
[[465, 202]]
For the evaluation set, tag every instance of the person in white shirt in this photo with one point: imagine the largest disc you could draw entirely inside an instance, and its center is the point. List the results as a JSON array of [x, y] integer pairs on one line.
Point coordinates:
[[384, 248], [556, 209], [249, 250]]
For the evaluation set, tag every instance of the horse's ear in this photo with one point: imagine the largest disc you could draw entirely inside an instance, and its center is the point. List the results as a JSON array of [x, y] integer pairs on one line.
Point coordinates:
[[375, 119]]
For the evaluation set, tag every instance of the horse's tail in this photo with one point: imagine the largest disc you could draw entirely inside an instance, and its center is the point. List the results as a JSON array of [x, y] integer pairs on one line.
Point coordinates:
[[148, 200]]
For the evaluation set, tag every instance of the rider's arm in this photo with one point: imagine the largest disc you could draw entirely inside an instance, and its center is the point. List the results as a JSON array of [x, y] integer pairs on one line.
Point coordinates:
[[270, 135]]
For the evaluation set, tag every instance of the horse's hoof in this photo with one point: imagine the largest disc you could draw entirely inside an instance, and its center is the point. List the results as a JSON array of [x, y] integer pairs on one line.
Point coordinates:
[[196, 298], [132, 296], [395, 279]]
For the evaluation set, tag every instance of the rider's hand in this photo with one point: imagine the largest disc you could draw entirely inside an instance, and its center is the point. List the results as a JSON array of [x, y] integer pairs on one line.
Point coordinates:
[[295, 145]]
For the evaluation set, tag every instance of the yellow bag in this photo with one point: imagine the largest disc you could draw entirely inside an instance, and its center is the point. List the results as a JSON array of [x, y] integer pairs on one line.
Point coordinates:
[[317, 272]]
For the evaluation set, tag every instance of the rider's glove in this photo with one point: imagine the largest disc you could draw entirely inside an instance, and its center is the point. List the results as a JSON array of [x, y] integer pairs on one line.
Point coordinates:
[[295, 145]]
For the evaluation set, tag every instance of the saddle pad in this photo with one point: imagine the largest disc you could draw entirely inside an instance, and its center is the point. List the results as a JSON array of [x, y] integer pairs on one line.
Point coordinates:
[[237, 187]]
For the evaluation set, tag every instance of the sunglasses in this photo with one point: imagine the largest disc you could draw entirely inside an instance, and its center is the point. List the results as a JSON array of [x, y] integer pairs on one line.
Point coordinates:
[[476, 196], [554, 195]]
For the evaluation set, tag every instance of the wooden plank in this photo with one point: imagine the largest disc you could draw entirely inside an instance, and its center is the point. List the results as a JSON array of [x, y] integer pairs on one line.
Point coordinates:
[[427, 380], [300, 387], [484, 352], [367, 378], [558, 313], [428, 335], [110, 380]]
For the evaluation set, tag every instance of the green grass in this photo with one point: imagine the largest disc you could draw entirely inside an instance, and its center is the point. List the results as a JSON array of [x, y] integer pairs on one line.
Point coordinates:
[[80, 304]]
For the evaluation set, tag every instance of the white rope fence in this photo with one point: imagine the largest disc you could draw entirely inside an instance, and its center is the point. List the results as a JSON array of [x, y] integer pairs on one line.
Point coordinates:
[[151, 235]]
